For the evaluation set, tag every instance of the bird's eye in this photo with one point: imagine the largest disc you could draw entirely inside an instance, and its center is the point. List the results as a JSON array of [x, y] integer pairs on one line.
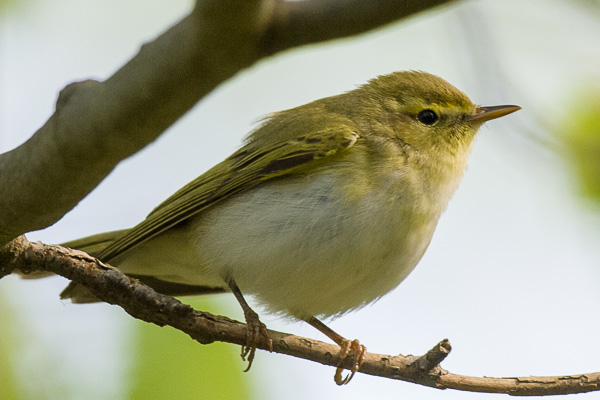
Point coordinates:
[[427, 117]]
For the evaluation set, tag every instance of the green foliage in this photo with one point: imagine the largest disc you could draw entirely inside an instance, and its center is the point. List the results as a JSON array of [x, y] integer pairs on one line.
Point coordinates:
[[170, 365], [9, 388], [581, 135]]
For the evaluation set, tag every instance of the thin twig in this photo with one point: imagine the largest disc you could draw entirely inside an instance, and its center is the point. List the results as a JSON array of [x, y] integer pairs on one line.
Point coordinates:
[[142, 302]]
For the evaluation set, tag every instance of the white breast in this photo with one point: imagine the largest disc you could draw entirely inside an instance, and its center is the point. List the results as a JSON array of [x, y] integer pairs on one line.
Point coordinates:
[[304, 248]]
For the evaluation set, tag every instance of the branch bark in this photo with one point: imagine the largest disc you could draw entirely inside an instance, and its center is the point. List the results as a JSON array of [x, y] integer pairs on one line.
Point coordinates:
[[98, 124], [141, 302], [297, 23]]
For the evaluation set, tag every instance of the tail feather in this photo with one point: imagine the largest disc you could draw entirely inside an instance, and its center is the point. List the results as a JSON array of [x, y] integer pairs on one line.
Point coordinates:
[[93, 245], [90, 244], [96, 243], [81, 295]]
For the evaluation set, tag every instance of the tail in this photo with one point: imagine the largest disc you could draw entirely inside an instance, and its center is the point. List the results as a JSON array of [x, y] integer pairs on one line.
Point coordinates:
[[93, 245], [96, 243]]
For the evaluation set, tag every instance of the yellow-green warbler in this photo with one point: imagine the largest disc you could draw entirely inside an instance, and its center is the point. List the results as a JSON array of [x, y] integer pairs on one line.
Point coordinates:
[[325, 208]]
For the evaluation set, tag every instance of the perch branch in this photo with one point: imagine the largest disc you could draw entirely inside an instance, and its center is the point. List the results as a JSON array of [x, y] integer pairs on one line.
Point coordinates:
[[141, 302]]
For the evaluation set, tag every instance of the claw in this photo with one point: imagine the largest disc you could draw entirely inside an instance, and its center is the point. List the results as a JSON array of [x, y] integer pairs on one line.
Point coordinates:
[[254, 330], [345, 347], [359, 357]]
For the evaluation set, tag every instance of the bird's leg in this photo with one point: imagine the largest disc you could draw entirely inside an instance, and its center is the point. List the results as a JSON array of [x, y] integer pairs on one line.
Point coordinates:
[[254, 328], [346, 345]]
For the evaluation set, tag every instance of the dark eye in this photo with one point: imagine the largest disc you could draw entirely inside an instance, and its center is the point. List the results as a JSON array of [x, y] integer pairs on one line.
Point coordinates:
[[427, 117]]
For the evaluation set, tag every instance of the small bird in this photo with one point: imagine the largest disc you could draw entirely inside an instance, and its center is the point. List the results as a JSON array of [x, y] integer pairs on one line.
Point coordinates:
[[324, 209]]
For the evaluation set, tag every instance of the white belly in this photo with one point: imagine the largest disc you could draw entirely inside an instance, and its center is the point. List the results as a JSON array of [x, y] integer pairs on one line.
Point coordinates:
[[307, 252]]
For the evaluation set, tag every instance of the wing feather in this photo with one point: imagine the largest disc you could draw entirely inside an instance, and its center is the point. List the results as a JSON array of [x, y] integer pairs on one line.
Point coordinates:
[[254, 163]]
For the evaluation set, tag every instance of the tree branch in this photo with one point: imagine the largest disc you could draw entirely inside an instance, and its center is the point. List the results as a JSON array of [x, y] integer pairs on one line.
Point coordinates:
[[141, 302], [297, 23], [98, 124]]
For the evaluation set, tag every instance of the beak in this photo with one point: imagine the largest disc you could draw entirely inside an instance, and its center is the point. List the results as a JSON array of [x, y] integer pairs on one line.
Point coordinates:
[[483, 114]]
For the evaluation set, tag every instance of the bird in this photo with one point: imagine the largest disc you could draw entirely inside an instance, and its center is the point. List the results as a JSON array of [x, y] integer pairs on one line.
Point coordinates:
[[325, 208]]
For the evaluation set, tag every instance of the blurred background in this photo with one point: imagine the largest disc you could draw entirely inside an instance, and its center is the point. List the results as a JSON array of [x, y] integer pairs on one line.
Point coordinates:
[[512, 275]]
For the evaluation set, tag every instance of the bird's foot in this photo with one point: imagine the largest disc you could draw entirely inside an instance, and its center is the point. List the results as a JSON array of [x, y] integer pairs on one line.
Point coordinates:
[[254, 330], [359, 356]]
